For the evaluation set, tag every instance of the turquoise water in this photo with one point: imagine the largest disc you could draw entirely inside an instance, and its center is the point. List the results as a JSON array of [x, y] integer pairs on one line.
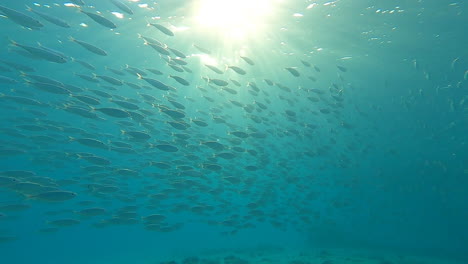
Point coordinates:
[[344, 126]]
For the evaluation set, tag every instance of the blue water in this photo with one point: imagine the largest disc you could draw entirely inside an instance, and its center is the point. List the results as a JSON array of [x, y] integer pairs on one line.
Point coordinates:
[[365, 149]]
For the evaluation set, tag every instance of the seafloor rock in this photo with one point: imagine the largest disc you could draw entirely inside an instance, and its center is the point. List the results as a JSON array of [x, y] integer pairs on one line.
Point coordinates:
[[169, 262], [234, 260], [299, 262], [191, 260]]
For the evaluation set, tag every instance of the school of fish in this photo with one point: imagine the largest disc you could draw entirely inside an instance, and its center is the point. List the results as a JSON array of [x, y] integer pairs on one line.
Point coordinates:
[[142, 144]]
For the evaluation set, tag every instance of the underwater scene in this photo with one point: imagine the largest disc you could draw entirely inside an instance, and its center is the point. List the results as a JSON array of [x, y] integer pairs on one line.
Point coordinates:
[[234, 132]]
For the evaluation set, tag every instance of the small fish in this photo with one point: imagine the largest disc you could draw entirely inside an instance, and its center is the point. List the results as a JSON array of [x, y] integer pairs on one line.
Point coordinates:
[[114, 112], [155, 83], [4, 79], [341, 68], [176, 114], [122, 6], [179, 61], [137, 134], [126, 105], [229, 90], [51, 88], [178, 53], [218, 82], [155, 71], [91, 212], [90, 142], [135, 70], [52, 19], [89, 47], [14, 207], [84, 64], [237, 70], [64, 222], [305, 63], [115, 71], [293, 71], [248, 60], [176, 68], [109, 79], [162, 28], [236, 83], [42, 53], [200, 123], [180, 80], [54, 196], [87, 78], [159, 48], [96, 160], [42, 79], [167, 148], [213, 145], [214, 68], [269, 82], [100, 19], [20, 18], [18, 66], [87, 99], [203, 50]]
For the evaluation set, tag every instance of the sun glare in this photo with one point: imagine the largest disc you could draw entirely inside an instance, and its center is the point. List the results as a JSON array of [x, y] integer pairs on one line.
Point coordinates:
[[235, 18]]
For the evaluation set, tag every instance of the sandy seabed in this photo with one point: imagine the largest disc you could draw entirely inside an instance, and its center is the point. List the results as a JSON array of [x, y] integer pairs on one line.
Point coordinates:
[[315, 256]]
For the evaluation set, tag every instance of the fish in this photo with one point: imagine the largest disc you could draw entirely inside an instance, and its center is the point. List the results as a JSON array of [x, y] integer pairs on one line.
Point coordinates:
[[341, 68], [52, 19], [54, 196], [21, 18], [42, 53], [109, 79], [177, 53], [100, 19], [237, 70], [64, 222], [85, 64], [162, 28], [293, 71], [18, 66], [50, 88], [218, 82], [201, 49], [8, 80], [180, 80], [89, 47], [166, 147], [248, 60], [122, 6], [214, 68], [159, 48], [113, 112], [155, 83]]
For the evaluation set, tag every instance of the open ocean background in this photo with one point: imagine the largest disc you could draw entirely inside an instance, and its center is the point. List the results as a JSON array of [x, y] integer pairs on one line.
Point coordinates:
[[366, 149]]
